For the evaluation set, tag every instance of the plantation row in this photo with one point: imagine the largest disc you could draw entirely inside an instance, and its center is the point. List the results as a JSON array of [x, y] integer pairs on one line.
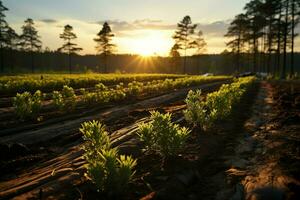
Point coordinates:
[[217, 105], [50, 82], [112, 172], [29, 105]]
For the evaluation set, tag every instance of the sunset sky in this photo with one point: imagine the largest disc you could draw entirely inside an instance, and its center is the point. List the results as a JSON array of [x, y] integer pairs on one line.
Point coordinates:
[[140, 26]]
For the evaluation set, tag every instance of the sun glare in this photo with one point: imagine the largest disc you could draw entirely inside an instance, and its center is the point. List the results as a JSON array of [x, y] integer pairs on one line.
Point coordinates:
[[151, 44]]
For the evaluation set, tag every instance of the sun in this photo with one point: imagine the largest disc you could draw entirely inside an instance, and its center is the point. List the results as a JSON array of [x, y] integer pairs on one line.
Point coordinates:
[[150, 44], [146, 46], [145, 51]]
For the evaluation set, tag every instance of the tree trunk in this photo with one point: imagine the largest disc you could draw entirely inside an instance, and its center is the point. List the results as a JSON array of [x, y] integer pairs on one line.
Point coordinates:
[[105, 62], [270, 41], [1, 52], [198, 64], [12, 53], [278, 41], [293, 35], [184, 62], [238, 54], [70, 63], [2, 60], [254, 54], [283, 74], [32, 62]]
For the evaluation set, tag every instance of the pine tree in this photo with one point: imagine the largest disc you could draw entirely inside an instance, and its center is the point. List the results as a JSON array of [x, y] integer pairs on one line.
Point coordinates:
[[279, 36], [12, 45], [199, 43], [253, 12], [104, 46], [3, 34], [295, 15], [271, 28], [29, 40], [285, 38], [270, 9], [12, 39], [183, 36], [238, 31], [68, 47]]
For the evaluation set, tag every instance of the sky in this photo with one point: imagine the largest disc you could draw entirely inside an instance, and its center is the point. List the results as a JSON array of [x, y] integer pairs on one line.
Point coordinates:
[[140, 26]]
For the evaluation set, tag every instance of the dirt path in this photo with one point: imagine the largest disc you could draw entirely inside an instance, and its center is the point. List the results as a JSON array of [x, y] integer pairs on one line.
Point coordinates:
[[270, 152]]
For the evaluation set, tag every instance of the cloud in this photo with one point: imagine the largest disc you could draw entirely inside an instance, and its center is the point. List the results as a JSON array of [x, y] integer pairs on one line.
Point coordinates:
[[123, 28], [214, 29], [128, 32], [49, 21], [118, 25]]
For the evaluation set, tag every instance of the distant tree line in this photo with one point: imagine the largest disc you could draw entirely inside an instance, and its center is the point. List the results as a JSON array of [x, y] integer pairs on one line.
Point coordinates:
[[54, 61], [263, 35]]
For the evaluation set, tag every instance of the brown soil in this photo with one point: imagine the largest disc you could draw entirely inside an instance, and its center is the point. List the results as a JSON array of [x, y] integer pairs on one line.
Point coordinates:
[[56, 148], [254, 154]]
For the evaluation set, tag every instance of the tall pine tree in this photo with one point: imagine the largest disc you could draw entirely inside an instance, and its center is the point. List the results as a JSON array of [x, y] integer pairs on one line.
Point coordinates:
[[238, 32], [295, 18], [184, 36], [104, 46], [30, 40], [3, 34], [68, 47]]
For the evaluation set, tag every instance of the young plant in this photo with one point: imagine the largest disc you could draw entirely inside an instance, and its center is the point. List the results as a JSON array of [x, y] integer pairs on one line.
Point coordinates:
[[197, 112], [101, 87], [27, 105], [163, 136], [69, 97], [135, 88], [66, 99], [109, 171], [217, 106], [58, 100], [96, 137]]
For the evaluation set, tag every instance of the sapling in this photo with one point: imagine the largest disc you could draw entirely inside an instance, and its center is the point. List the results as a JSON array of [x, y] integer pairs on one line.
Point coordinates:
[[66, 99], [110, 171], [27, 105], [217, 106], [162, 135]]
